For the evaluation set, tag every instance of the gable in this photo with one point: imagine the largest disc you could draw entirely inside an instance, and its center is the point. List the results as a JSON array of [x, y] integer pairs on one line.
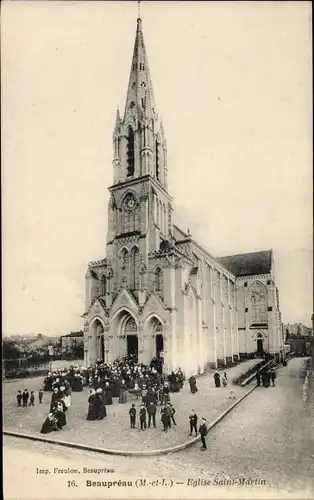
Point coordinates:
[[124, 299], [98, 306], [154, 305]]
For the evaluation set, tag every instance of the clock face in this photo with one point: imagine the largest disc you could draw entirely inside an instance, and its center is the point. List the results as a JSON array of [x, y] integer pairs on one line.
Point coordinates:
[[130, 202]]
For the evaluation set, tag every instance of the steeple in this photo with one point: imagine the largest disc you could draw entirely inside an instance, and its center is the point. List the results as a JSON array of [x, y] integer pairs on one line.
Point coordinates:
[[139, 144], [140, 97]]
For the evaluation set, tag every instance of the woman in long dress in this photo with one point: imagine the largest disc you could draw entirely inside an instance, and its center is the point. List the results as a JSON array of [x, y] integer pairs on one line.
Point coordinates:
[[123, 394], [49, 424], [166, 397], [91, 415], [100, 409], [60, 416], [108, 394], [217, 379], [193, 386]]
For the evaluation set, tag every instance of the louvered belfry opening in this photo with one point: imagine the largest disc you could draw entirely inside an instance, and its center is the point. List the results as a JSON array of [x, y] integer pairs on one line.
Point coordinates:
[[130, 152]]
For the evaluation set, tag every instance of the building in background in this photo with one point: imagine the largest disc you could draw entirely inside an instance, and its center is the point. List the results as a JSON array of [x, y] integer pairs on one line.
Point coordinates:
[[158, 292], [72, 341], [299, 337]]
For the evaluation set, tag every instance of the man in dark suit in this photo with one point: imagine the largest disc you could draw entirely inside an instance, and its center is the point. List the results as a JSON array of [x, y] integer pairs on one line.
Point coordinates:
[[203, 432], [164, 418], [25, 397], [143, 417], [132, 413], [193, 423], [151, 410], [172, 414]]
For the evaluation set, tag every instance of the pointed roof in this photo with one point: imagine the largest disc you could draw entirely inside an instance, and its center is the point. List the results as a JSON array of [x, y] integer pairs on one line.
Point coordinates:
[[118, 122], [140, 96]]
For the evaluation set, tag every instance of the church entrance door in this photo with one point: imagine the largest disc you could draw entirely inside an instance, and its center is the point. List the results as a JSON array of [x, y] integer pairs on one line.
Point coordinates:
[[159, 344], [132, 346], [260, 349], [131, 338]]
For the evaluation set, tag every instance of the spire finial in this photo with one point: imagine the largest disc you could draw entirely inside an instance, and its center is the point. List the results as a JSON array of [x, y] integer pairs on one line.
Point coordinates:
[[138, 9]]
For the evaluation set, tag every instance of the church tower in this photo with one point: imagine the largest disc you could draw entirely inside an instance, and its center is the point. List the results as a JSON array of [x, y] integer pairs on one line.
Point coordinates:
[[139, 212]]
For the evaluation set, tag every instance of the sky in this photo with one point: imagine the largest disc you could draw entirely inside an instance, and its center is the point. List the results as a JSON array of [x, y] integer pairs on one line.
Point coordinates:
[[232, 82]]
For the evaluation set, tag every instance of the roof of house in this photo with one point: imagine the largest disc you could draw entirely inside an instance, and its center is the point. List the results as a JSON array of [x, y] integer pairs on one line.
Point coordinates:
[[247, 264], [74, 334], [40, 342]]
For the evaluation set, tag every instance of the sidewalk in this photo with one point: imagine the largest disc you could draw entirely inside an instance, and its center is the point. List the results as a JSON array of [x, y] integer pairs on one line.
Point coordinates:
[[113, 432]]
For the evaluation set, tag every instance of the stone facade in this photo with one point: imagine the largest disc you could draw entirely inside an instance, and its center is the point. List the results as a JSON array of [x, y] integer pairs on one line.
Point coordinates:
[[158, 292]]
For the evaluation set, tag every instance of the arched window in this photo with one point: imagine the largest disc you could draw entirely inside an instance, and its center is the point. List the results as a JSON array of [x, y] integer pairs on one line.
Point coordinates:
[[157, 161], [124, 271], [258, 303], [130, 152], [158, 279], [134, 269], [103, 287]]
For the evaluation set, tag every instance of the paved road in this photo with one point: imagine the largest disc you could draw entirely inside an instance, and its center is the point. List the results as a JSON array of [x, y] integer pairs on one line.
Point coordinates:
[[268, 438]]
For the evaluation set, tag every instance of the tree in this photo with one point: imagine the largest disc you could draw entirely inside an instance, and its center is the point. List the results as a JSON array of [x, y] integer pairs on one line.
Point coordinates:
[[10, 349]]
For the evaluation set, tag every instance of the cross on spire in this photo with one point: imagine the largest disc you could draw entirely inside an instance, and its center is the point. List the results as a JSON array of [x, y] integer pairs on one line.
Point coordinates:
[[139, 9]]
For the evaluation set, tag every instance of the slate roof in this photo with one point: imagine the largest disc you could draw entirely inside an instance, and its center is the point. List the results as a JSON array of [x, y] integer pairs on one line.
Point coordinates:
[[247, 264]]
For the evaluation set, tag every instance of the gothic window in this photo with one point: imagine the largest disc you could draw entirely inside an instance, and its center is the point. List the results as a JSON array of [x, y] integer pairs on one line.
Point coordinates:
[[143, 84], [135, 269], [157, 161], [258, 304], [158, 279], [130, 153], [125, 260], [103, 287], [130, 326]]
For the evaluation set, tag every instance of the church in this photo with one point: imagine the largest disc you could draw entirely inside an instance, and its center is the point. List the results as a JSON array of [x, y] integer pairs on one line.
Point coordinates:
[[158, 292]]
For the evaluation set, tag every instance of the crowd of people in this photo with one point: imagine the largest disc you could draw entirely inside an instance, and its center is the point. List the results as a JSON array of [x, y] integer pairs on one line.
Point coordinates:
[[266, 376], [118, 380]]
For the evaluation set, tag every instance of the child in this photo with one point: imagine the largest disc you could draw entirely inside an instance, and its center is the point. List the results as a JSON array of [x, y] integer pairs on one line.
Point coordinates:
[[40, 395], [32, 399], [19, 398], [143, 417], [132, 413]]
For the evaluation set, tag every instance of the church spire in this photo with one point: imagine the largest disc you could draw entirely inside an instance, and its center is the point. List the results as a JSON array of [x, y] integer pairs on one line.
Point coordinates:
[[140, 97]]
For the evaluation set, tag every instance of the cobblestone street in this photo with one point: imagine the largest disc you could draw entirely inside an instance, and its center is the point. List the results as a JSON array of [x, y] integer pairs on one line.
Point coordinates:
[[269, 437]]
